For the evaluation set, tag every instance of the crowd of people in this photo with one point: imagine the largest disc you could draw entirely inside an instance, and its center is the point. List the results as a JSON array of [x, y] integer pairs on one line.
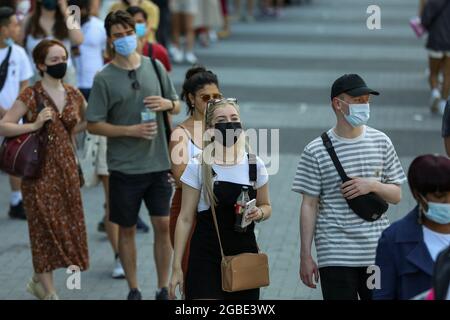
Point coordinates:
[[109, 80]]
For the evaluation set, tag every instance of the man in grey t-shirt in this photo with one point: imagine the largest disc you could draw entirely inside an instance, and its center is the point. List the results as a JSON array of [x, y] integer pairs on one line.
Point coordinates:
[[123, 93], [345, 243]]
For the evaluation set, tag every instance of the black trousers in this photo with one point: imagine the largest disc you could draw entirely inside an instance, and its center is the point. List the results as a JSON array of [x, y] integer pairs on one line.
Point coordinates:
[[345, 283]]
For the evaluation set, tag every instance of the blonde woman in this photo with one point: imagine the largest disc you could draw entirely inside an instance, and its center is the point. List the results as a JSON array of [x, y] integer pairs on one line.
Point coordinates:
[[216, 178]]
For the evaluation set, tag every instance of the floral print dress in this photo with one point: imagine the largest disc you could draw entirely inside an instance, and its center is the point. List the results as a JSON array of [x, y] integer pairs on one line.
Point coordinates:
[[53, 202]]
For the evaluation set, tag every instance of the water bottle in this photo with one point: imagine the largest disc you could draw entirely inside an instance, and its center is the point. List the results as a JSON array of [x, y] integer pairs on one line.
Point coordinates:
[[239, 209]]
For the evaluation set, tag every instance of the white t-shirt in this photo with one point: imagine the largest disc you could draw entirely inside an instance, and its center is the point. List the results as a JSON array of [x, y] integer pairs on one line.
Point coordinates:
[[238, 173], [19, 70], [90, 60], [435, 242]]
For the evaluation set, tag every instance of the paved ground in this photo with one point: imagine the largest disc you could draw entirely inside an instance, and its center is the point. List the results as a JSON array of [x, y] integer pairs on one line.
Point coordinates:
[[281, 72]]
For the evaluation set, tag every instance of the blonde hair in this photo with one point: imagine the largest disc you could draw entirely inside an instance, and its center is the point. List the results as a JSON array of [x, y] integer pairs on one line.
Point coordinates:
[[207, 158]]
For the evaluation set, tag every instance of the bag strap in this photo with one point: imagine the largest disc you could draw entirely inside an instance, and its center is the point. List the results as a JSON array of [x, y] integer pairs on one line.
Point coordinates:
[[165, 114], [4, 69], [213, 210], [330, 149]]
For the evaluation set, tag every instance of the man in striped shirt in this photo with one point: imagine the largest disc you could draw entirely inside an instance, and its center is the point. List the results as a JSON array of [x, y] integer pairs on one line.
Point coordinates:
[[345, 243]]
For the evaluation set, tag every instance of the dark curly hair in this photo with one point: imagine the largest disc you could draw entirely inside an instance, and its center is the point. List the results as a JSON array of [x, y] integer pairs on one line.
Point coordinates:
[[196, 78]]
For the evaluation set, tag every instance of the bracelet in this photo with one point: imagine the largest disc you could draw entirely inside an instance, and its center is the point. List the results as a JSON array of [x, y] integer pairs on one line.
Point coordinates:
[[173, 105], [262, 216]]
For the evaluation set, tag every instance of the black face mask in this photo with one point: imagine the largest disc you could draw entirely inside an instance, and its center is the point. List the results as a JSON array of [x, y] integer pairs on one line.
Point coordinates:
[[57, 71], [228, 133]]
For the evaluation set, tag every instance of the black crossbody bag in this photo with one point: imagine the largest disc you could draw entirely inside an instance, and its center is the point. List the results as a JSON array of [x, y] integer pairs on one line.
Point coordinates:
[[369, 207]]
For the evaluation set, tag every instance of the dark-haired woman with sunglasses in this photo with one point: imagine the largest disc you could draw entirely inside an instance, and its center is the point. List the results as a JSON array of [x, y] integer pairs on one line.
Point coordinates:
[[199, 87]]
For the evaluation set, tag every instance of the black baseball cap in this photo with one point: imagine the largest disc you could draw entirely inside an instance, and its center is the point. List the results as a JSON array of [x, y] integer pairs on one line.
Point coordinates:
[[351, 84]]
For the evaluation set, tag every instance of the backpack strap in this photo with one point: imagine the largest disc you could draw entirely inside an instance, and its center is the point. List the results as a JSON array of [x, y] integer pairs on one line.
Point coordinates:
[[167, 125]]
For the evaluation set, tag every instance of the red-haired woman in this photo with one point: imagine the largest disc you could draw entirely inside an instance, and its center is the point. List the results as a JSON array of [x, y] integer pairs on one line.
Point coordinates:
[[53, 201]]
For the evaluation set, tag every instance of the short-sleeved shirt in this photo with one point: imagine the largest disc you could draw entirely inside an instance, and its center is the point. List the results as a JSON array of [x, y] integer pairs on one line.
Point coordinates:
[[342, 238], [446, 121], [239, 173], [149, 7], [113, 100], [19, 69]]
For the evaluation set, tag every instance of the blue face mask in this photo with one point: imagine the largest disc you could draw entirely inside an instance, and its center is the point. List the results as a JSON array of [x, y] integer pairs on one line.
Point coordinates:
[[358, 115], [438, 212], [125, 45], [9, 42], [141, 29]]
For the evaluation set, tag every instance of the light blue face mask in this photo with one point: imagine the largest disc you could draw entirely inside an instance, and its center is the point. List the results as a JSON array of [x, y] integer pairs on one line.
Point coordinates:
[[438, 212], [9, 42], [141, 29], [358, 115], [125, 45]]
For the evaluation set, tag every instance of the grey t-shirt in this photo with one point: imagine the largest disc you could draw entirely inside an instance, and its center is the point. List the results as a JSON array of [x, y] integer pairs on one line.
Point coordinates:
[[113, 100]]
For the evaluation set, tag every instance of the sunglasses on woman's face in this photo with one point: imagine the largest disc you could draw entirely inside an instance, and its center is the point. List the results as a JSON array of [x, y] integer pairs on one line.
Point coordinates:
[[132, 75], [207, 97], [216, 101]]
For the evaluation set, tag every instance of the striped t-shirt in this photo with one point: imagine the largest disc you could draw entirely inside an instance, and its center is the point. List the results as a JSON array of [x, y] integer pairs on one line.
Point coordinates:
[[342, 238]]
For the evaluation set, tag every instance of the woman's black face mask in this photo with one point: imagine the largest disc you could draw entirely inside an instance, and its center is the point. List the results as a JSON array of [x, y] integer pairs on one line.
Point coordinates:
[[227, 133]]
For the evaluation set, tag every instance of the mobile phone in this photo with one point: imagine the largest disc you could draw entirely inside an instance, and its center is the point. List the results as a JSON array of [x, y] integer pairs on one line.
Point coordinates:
[[248, 207]]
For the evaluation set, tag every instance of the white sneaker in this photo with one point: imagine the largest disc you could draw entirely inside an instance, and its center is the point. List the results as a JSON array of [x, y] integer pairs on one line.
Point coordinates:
[[434, 100], [190, 57], [442, 105], [118, 272], [177, 55]]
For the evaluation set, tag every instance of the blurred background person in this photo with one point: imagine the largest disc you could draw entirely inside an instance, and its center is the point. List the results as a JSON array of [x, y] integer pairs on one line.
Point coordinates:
[[48, 21], [153, 50], [207, 20], [149, 7], [182, 19], [15, 78], [436, 20], [407, 250], [246, 15], [163, 32]]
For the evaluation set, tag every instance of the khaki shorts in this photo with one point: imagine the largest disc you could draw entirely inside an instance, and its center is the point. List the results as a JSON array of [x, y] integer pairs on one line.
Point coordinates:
[[438, 54], [184, 6]]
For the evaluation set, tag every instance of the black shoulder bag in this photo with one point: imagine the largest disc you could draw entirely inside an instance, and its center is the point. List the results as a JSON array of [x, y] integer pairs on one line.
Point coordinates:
[[4, 69], [167, 125], [369, 207]]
